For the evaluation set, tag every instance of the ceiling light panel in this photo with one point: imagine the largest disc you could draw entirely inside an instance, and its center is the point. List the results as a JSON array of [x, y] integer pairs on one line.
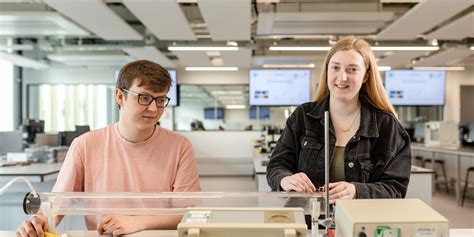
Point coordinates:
[[448, 57], [404, 48], [211, 69], [421, 18], [203, 48], [16, 47], [91, 59], [38, 24], [384, 68], [97, 17], [150, 53], [241, 58], [227, 19], [400, 58], [457, 30], [286, 23], [440, 68], [310, 65], [164, 18], [193, 58], [280, 60]]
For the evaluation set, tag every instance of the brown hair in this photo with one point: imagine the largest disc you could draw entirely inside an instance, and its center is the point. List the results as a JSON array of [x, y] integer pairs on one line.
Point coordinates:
[[149, 74], [373, 89]]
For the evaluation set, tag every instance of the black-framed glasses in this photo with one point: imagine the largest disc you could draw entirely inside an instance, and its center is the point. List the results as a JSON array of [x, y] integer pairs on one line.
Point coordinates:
[[148, 99]]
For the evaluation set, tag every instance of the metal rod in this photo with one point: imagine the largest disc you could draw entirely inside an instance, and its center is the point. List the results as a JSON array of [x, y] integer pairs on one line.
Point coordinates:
[[326, 163]]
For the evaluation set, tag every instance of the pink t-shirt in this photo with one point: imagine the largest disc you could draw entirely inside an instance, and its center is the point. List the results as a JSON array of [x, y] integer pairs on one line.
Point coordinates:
[[103, 161]]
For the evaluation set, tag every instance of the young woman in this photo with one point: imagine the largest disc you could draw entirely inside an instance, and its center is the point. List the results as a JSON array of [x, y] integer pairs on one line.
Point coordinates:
[[368, 148]]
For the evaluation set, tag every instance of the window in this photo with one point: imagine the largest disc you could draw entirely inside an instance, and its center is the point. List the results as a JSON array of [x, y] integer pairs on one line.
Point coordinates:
[[6, 95], [62, 107]]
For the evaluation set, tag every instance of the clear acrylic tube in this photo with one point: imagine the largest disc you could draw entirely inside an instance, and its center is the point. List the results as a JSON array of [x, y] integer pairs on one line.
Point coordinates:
[[165, 203]]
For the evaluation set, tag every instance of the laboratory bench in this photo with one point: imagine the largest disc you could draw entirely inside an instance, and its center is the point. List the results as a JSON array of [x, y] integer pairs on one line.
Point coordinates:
[[35, 172], [420, 185], [453, 152], [93, 233], [174, 233]]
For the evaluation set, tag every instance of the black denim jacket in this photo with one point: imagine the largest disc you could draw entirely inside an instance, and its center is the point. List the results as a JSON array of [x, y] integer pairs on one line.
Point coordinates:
[[377, 159]]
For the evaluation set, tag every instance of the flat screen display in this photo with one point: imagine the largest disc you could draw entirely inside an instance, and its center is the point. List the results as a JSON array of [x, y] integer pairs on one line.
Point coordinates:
[[172, 94], [415, 87], [263, 112], [213, 113], [279, 87]]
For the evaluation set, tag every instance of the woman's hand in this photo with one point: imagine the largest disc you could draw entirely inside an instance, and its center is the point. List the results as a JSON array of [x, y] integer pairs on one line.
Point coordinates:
[[119, 225], [34, 227], [298, 182], [341, 190]]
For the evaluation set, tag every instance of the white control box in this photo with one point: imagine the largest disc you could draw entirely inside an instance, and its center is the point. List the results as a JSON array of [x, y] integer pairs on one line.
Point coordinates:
[[245, 222], [388, 218]]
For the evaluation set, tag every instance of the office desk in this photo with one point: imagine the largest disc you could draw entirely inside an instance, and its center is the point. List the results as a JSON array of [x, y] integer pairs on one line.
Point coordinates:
[[456, 152], [36, 172], [420, 185]]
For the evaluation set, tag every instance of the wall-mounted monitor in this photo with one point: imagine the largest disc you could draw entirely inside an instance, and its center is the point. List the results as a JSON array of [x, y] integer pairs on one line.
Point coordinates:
[[279, 87], [213, 113], [172, 93], [263, 112], [415, 87]]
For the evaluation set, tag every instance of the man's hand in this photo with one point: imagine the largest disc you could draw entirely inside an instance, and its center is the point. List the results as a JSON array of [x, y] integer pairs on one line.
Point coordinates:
[[119, 225], [34, 227], [341, 190], [298, 182]]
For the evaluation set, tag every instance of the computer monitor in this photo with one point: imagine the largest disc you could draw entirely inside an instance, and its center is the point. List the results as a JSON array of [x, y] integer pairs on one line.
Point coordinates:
[[82, 129], [279, 87], [415, 87], [11, 142], [32, 127], [66, 138]]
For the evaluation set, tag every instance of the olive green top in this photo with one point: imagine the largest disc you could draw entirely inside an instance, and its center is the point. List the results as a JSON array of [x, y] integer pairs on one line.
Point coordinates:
[[336, 172]]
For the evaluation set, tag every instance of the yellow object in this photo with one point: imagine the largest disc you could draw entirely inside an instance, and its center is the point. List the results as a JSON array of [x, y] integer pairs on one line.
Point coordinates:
[[49, 234]]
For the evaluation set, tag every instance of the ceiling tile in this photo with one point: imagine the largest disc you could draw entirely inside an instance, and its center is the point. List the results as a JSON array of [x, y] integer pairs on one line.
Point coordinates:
[[97, 17], [421, 18], [227, 19], [150, 53], [156, 15]]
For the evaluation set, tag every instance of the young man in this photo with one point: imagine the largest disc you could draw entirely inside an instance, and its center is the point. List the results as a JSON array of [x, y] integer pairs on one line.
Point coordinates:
[[132, 155]]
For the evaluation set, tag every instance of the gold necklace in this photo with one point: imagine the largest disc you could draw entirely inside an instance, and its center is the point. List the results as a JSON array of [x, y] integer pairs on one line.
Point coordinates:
[[350, 126]]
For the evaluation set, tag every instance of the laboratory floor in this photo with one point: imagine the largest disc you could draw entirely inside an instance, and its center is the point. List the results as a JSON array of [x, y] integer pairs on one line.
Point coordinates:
[[459, 217], [445, 204]]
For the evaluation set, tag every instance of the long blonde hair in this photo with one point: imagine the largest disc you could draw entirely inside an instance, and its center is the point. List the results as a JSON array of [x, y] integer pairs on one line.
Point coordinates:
[[373, 88]]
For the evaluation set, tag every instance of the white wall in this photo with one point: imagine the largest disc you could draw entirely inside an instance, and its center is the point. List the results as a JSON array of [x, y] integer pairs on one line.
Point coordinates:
[[454, 81], [240, 118], [223, 152]]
